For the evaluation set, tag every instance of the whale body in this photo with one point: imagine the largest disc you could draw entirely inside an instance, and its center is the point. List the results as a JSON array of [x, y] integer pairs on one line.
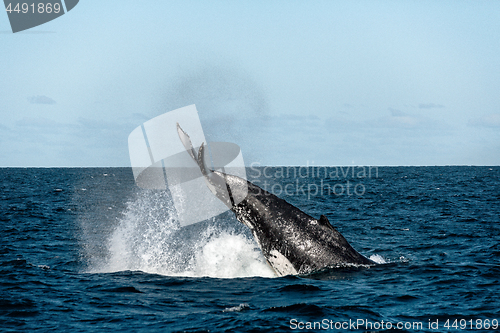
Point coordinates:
[[293, 242]]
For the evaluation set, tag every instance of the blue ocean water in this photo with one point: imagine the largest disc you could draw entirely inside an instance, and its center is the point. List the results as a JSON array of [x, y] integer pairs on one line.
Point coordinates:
[[84, 249]]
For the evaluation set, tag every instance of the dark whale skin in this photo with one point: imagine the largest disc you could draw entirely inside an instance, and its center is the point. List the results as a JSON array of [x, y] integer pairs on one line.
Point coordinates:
[[308, 244]]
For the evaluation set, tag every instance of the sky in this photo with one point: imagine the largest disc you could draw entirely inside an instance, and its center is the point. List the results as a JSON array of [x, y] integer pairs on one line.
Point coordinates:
[[290, 82]]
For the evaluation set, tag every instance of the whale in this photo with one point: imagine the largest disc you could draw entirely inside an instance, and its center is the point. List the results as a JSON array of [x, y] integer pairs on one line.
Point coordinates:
[[293, 242]]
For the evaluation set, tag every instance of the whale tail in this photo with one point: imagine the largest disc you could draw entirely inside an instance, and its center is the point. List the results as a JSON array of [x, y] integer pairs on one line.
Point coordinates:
[[186, 142], [217, 184], [199, 157]]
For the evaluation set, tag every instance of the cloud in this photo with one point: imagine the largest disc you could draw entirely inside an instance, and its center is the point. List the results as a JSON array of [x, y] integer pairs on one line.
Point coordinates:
[[97, 124], [490, 120], [430, 106], [293, 119], [341, 122], [397, 113], [396, 120], [403, 120], [37, 122], [140, 116], [41, 99]]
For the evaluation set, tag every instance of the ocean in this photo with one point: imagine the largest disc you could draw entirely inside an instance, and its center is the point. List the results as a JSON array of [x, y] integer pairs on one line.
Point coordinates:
[[86, 250]]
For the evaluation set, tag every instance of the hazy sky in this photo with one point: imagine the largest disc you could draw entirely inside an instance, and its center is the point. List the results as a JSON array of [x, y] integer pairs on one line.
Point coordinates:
[[291, 82]]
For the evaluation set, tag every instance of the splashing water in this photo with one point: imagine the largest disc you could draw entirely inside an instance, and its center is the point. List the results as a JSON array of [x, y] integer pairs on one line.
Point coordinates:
[[378, 259], [149, 238], [144, 234]]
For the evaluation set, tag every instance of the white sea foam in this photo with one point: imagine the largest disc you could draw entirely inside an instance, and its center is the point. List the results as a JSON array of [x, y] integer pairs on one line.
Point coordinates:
[[230, 255], [148, 238], [239, 308], [378, 259]]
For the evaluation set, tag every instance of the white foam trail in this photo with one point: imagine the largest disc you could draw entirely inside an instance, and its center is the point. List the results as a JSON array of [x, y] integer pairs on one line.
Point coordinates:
[[239, 308], [378, 259], [148, 238]]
